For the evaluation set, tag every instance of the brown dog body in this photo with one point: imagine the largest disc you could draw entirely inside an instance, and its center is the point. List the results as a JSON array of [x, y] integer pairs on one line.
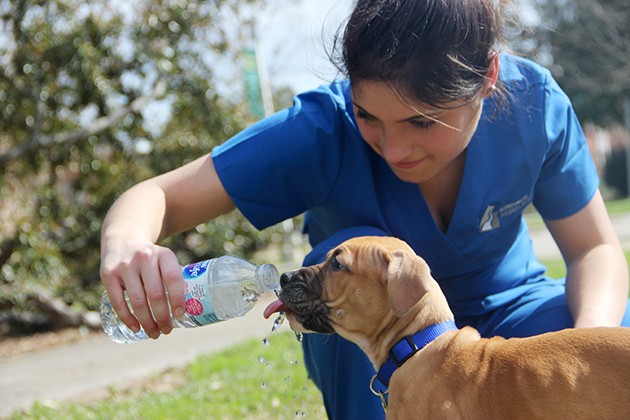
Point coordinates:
[[374, 291]]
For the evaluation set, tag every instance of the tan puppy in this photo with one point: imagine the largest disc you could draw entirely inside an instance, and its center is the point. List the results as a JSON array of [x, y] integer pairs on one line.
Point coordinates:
[[375, 291]]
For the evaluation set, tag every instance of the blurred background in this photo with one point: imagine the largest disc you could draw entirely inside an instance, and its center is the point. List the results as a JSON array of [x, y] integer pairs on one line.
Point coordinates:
[[98, 95]]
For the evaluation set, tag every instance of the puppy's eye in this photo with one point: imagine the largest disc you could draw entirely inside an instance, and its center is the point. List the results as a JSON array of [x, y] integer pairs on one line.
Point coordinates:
[[336, 265]]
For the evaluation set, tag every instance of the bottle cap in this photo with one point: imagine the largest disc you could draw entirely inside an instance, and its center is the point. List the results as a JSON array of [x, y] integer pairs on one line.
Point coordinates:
[[268, 276]]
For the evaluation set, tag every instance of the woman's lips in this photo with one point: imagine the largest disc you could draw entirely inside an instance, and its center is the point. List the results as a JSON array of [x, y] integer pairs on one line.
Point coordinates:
[[407, 165]]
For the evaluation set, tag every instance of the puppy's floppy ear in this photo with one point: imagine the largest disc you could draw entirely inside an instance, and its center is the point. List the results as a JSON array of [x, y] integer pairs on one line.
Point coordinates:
[[405, 280]]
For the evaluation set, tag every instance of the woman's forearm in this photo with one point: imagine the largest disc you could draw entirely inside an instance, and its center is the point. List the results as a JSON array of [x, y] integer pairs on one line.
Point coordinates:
[[133, 264], [139, 212], [597, 287]]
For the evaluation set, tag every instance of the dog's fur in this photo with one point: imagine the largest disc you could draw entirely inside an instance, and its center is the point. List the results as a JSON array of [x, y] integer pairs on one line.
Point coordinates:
[[374, 291]]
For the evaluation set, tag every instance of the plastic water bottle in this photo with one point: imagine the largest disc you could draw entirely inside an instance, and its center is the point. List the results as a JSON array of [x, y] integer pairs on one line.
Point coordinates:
[[216, 290]]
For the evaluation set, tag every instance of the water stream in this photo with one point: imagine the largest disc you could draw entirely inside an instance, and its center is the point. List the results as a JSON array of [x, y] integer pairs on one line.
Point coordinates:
[[266, 342]]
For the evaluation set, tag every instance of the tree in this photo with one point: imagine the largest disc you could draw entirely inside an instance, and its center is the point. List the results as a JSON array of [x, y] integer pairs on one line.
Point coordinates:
[[95, 96], [586, 43]]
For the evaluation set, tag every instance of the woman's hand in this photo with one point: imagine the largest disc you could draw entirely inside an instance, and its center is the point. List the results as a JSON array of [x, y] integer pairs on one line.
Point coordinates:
[[131, 261], [152, 279]]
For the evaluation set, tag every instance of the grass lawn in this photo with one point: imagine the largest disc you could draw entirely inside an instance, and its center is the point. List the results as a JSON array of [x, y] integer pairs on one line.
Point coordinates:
[[249, 381], [556, 268], [613, 207], [618, 206]]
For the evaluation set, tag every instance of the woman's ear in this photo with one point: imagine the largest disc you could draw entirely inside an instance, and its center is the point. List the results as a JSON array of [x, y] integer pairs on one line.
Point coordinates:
[[491, 77]]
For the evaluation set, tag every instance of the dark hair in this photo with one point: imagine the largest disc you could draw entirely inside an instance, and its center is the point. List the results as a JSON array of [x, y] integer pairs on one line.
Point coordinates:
[[432, 51]]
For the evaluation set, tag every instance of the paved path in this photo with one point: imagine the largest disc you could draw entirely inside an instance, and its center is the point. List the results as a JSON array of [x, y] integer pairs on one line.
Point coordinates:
[[546, 248], [86, 369]]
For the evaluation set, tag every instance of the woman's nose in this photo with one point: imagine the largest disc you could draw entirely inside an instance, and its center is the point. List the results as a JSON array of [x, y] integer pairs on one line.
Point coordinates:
[[394, 148]]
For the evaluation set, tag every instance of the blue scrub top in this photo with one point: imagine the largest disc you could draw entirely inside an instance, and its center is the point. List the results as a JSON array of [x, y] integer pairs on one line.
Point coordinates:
[[528, 149]]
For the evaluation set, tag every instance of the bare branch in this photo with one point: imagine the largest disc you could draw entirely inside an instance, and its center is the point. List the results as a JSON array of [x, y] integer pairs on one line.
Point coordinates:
[[37, 141]]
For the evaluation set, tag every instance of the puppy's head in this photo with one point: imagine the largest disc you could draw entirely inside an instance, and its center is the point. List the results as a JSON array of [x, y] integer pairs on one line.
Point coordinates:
[[363, 284]]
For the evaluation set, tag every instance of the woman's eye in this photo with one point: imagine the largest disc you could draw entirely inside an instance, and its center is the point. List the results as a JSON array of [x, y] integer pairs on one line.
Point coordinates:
[[362, 115], [421, 123]]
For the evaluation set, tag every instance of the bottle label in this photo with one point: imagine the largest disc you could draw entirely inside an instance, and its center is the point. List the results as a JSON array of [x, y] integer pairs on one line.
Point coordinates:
[[198, 302]]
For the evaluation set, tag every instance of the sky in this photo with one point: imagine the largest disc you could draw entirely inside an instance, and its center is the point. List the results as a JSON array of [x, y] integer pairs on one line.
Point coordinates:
[[290, 41]]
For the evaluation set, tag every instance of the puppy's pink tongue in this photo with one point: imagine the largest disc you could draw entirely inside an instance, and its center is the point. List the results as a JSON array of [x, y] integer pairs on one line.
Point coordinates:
[[276, 306]]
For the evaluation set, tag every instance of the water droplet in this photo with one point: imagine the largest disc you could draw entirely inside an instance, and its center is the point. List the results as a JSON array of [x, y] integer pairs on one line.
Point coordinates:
[[278, 322], [250, 295], [305, 389], [261, 359], [294, 362], [265, 341], [287, 379], [299, 337], [263, 385]]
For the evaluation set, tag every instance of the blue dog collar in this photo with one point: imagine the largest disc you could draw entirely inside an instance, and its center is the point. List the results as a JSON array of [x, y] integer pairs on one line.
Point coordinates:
[[409, 346]]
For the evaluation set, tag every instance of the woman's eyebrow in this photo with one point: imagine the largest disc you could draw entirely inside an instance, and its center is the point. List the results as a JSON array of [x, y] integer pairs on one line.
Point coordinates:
[[356, 105], [429, 115], [411, 118]]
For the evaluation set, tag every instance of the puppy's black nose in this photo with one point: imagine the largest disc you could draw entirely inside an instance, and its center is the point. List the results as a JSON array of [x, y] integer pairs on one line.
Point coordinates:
[[284, 279], [289, 277]]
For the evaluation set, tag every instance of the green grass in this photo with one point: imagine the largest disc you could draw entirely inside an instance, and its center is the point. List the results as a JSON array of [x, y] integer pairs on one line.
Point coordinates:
[[618, 206], [613, 207], [248, 381], [556, 268]]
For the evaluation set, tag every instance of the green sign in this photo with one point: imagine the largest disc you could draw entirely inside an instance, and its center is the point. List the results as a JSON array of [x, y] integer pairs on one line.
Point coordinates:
[[253, 89]]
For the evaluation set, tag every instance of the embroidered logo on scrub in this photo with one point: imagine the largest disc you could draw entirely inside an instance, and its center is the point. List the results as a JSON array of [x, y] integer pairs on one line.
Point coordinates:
[[490, 220], [492, 216]]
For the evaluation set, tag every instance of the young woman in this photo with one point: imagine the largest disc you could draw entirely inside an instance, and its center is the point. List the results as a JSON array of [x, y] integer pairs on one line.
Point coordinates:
[[434, 137]]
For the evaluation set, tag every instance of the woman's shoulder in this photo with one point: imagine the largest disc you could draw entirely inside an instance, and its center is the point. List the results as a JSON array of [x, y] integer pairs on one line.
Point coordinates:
[[336, 92], [328, 105], [519, 73]]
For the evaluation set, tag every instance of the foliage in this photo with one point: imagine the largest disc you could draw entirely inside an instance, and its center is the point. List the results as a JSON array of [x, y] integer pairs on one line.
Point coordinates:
[[248, 381], [587, 46], [96, 97]]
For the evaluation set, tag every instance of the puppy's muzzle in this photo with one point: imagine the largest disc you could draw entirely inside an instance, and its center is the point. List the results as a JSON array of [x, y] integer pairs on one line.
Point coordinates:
[[302, 292]]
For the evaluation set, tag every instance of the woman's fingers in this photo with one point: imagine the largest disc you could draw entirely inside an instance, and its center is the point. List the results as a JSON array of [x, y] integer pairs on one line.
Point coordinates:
[[140, 304], [171, 273], [113, 276], [150, 277], [156, 298], [116, 295]]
